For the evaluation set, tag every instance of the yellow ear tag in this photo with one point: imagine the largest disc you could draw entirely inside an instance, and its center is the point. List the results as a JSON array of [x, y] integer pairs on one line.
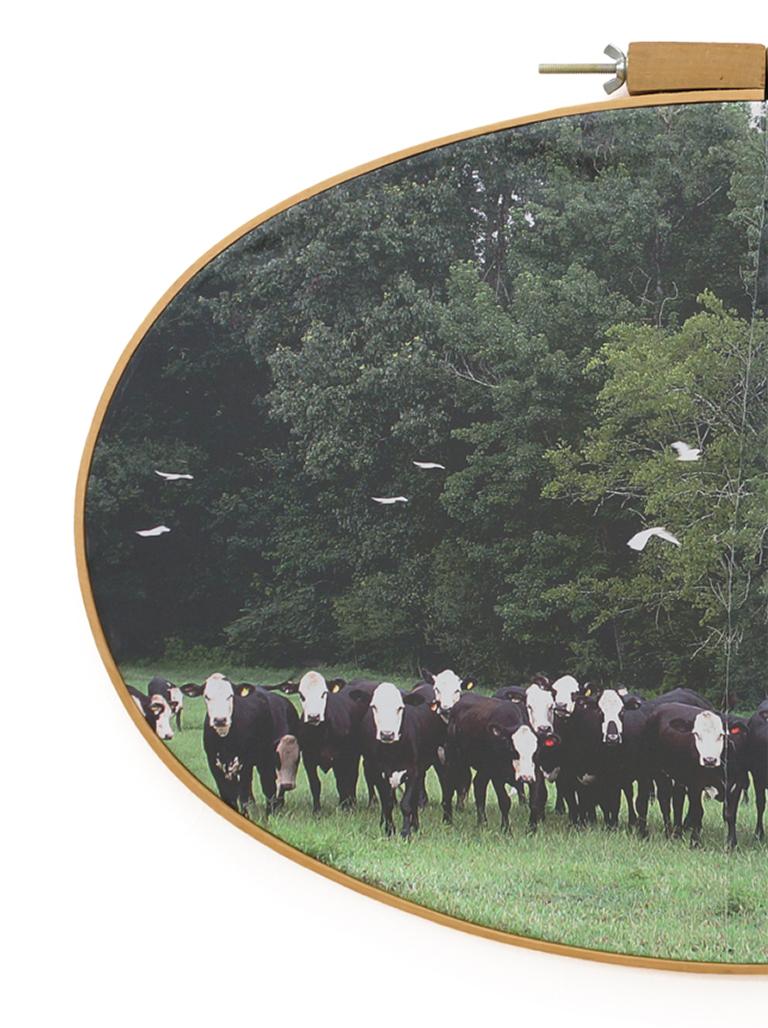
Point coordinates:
[[244, 692], [335, 687], [470, 684]]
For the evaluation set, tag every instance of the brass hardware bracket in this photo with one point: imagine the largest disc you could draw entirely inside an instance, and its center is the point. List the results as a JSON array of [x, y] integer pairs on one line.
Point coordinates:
[[678, 67]]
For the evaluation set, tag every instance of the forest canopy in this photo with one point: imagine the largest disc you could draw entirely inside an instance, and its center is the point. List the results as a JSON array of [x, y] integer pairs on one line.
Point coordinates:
[[543, 310]]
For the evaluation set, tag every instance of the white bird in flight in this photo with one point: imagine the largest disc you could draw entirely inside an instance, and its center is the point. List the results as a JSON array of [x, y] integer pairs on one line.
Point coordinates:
[[686, 452], [428, 465], [637, 542], [390, 499], [157, 530], [172, 476]]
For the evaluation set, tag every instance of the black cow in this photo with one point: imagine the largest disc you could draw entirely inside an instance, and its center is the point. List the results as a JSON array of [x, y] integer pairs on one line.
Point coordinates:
[[329, 731], [238, 736], [285, 739], [688, 750], [156, 711], [680, 695], [600, 744], [492, 736], [757, 760], [400, 736]]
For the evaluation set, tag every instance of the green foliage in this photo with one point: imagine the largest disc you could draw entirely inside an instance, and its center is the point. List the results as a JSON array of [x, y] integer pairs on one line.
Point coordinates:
[[522, 307]]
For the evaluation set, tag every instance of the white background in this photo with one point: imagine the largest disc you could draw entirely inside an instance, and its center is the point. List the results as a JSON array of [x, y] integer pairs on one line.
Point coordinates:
[[137, 135]]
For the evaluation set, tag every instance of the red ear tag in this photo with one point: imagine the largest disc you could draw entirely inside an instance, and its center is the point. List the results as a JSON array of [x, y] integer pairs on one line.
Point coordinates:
[[549, 742], [735, 730]]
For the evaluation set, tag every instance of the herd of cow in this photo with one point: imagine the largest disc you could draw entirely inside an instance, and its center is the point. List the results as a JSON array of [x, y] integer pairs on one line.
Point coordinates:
[[595, 744]]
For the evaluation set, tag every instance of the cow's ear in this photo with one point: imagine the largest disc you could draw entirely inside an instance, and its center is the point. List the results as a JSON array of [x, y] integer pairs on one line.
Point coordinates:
[[737, 728], [587, 689], [541, 680], [469, 683], [622, 690], [413, 699], [679, 724], [192, 689], [336, 684], [764, 715], [495, 730], [244, 689], [359, 695], [427, 676], [631, 702]]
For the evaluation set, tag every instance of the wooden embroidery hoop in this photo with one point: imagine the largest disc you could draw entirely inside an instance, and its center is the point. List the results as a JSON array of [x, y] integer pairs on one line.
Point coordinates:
[[659, 74]]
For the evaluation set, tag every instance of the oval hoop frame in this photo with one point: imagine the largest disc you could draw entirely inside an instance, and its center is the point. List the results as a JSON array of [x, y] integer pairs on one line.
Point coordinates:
[[181, 772]]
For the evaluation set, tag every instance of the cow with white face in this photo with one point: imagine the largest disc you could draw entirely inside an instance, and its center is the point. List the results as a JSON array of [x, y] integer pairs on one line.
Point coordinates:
[[540, 705], [491, 736], [565, 691], [155, 710], [238, 737], [328, 731], [448, 689], [688, 751], [400, 736]]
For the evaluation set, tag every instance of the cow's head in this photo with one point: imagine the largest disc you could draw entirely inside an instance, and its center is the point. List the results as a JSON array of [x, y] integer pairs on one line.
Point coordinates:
[[518, 746], [387, 706], [162, 713], [287, 754], [540, 705], [610, 705], [565, 691], [313, 691], [448, 689], [219, 695], [709, 738]]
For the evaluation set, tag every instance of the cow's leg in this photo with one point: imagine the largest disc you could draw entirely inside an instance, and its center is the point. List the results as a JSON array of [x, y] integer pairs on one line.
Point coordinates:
[[314, 784], [480, 788], [567, 789], [759, 808], [643, 797], [663, 795], [345, 771], [559, 798], [387, 798], [612, 806], [500, 785], [695, 816], [678, 801], [370, 782], [731, 802], [268, 780], [409, 805], [538, 802], [178, 720], [446, 791], [628, 789]]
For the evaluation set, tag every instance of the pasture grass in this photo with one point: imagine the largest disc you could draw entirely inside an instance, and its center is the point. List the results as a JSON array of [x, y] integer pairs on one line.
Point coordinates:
[[592, 888]]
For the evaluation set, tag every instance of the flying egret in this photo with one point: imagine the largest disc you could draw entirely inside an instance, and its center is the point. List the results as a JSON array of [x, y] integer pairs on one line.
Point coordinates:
[[637, 542], [686, 452], [428, 465], [390, 499], [172, 476], [157, 530]]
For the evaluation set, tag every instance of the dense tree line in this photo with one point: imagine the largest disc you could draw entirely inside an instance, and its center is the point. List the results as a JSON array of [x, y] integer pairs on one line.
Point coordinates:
[[542, 310]]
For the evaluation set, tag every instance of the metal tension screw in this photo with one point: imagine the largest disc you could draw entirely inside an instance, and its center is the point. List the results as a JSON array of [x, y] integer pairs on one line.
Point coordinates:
[[618, 69]]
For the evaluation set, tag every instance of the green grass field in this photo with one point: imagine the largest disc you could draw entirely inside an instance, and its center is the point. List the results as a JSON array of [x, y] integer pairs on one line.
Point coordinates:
[[601, 890]]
